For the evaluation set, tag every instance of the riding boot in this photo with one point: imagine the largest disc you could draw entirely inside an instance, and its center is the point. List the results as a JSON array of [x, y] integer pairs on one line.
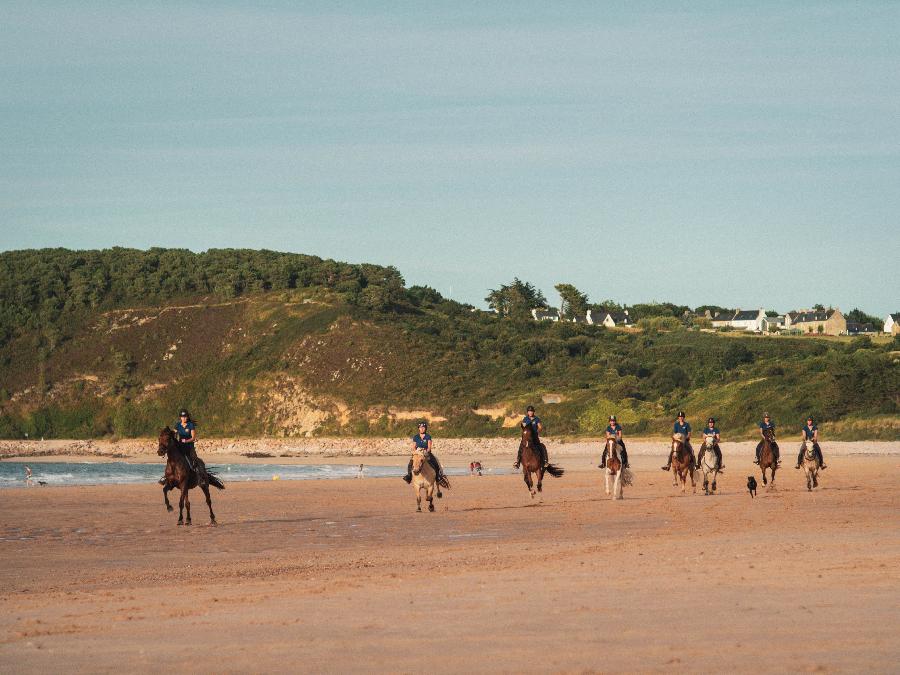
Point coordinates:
[[603, 458], [718, 452], [799, 458], [545, 459], [408, 476], [777, 453], [162, 481], [625, 464], [518, 459], [669, 463], [818, 452], [198, 467], [758, 450], [700, 455]]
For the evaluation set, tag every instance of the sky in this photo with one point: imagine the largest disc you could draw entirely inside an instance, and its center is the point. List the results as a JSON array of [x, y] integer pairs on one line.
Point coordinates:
[[744, 154]]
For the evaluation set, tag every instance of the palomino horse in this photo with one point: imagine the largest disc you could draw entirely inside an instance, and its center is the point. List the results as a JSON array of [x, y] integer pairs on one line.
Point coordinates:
[[709, 464], [179, 475], [614, 469], [682, 463], [810, 465], [531, 462], [424, 478], [767, 457]]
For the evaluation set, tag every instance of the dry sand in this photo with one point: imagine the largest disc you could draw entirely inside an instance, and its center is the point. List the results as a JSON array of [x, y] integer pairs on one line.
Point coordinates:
[[344, 576]]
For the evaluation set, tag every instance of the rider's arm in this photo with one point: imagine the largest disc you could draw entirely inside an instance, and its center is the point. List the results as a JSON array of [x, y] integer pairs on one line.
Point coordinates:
[[430, 443], [540, 427], [816, 436]]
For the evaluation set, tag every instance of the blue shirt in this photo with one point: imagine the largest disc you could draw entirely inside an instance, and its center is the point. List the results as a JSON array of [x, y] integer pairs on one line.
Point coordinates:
[[709, 432], [682, 428], [810, 431], [614, 429], [770, 425], [533, 421], [184, 430], [421, 441]]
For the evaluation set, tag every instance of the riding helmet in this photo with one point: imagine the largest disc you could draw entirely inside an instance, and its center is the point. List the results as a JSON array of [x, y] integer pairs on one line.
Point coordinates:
[[681, 414], [711, 419], [183, 413], [612, 418], [529, 409]]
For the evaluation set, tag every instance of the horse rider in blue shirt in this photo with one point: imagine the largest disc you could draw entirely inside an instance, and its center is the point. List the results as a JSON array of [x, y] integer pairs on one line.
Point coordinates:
[[810, 432], [186, 433], [767, 425], [423, 441], [711, 430], [614, 430], [683, 428], [534, 422]]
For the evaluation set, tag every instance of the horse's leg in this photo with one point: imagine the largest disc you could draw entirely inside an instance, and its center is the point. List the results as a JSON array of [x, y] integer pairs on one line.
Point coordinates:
[[540, 480], [429, 495], [526, 474], [418, 498], [166, 489], [816, 477], [607, 480], [617, 486], [715, 474], [181, 506], [762, 470], [212, 516], [187, 505]]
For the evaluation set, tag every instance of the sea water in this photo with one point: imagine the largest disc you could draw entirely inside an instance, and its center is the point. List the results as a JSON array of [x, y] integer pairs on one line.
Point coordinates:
[[12, 474]]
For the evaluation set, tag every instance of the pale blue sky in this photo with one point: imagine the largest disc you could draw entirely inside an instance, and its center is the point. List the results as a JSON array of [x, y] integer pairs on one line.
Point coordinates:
[[743, 154]]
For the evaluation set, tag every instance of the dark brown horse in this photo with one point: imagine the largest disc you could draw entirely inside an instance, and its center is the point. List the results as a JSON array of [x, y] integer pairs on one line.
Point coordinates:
[[180, 475], [767, 456], [532, 462]]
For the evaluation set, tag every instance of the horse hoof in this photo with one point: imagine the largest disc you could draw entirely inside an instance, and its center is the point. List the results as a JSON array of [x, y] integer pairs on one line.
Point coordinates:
[[419, 510], [188, 523], [180, 524], [213, 523], [169, 509], [431, 507]]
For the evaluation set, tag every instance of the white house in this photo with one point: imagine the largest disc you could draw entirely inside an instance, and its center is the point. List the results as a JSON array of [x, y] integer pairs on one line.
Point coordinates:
[[773, 323], [892, 324], [545, 314], [618, 319]]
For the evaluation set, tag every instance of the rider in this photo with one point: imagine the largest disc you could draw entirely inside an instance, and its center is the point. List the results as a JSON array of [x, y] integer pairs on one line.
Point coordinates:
[[711, 430], [810, 433], [767, 425], [683, 428], [186, 429], [422, 441], [614, 430], [534, 422]]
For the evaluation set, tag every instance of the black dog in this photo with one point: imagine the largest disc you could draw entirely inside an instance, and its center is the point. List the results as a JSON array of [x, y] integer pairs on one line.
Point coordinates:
[[751, 485]]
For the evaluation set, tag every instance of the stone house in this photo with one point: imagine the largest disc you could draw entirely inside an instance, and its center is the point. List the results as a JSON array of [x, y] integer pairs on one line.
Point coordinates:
[[822, 322]]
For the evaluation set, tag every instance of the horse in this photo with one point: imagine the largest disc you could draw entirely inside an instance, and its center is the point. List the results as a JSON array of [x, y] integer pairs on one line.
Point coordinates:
[[810, 465], [683, 465], [767, 457], [531, 461], [709, 464], [424, 478], [180, 475], [614, 469]]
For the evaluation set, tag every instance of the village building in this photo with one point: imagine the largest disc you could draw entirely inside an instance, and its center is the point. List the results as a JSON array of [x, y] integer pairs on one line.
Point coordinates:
[[618, 320], [822, 322], [750, 319], [770, 324], [892, 324], [545, 314], [860, 328]]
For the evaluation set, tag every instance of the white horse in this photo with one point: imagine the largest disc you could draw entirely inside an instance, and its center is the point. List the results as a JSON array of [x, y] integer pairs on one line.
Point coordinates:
[[709, 465], [614, 469], [423, 478], [810, 465]]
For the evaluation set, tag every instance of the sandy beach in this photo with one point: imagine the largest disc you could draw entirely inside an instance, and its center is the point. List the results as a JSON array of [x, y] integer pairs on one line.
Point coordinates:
[[344, 576]]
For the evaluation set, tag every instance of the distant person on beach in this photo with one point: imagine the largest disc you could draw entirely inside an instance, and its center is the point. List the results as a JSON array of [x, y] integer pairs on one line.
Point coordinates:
[[359, 473], [532, 420], [614, 430], [423, 441], [476, 468], [810, 433], [28, 480]]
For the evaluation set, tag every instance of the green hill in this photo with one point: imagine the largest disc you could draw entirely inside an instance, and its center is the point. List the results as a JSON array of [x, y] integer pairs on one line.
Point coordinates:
[[113, 342]]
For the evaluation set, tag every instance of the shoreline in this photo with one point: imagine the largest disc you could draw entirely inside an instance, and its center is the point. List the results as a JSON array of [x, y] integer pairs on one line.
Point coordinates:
[[452, 451]]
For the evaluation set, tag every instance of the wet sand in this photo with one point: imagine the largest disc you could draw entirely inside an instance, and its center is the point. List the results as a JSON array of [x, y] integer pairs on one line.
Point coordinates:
[[344, 576]]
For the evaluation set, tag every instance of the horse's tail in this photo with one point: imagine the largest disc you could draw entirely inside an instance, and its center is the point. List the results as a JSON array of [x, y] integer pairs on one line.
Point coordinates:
[[214, 480], [554, 470]]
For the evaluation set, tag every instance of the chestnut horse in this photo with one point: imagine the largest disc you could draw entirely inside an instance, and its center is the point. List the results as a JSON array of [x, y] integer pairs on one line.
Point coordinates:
[[531, 462], [683, 466], [179, 475], [767, 456]]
